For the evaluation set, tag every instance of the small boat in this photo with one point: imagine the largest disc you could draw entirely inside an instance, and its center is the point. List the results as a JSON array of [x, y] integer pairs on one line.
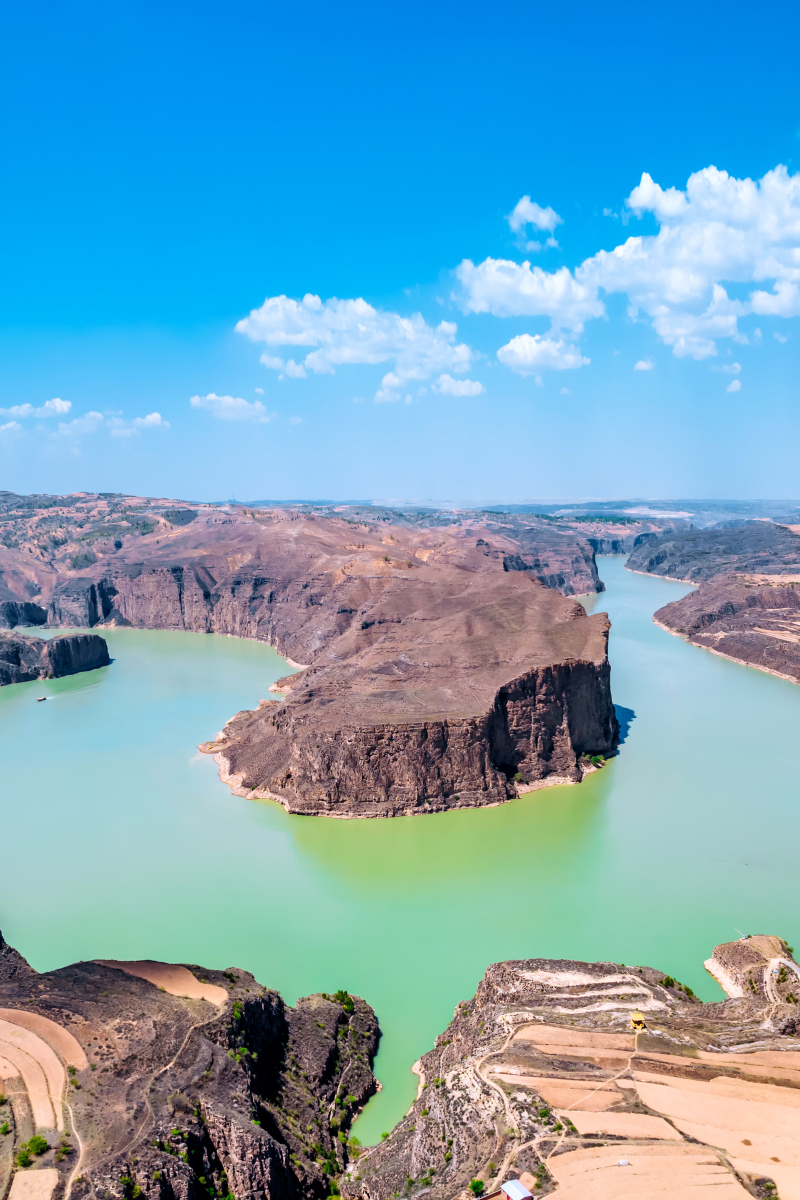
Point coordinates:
[[39, 699]]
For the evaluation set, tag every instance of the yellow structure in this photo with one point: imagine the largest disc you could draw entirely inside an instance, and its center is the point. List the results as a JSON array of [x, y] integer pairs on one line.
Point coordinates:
[[637, 1021]]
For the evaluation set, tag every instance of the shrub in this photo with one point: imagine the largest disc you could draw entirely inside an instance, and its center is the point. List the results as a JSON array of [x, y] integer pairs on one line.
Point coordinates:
[[38, 1144], [476, 1186]]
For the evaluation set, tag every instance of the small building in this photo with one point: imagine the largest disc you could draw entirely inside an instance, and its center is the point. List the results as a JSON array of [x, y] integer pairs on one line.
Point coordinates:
[[512, 1189]]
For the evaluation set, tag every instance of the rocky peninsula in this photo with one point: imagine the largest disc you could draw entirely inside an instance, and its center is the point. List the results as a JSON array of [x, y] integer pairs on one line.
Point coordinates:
[[438, 670], [177, 1082], [24, 658], [747, 607], [591, 1080]]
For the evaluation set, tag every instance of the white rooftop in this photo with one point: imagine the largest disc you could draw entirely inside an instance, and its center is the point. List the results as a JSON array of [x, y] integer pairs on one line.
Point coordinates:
[[515, 1190]]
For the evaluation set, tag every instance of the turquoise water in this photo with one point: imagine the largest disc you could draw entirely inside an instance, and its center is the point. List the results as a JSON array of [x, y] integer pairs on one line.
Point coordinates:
[[118, 840]]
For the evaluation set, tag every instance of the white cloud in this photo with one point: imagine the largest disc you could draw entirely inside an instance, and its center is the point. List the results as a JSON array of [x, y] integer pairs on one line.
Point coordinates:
[[528, 212], [294, 370], [509, 289], [153, 420], [10, 427], [734, 386], [259, 391], [644, 364], [231, 408], [51, 408], [89, 423], [732, 368], [273, 362], [718, 231], [529, 353], [780, 338], [566, 392], [344, 332], [458, 387], [124, 429]]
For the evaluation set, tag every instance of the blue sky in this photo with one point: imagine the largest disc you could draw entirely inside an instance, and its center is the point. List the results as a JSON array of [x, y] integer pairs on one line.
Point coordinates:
[[171, 170]]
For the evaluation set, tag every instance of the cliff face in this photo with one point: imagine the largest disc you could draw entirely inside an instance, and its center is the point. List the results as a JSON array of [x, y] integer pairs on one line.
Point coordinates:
[[221, 1091], [753, 619], [542, 1076], [24, 658]]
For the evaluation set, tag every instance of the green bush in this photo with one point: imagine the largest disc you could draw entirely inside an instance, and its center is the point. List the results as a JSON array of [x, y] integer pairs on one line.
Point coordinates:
[[476, 1186]]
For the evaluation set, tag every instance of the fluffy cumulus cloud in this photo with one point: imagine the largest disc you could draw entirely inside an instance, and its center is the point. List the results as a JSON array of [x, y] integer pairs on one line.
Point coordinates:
[[50, 408], [232, 408], [457, 387], [529, 354], [734, 386], [644, 364], [509, 289], [344, 332], [719, 231]]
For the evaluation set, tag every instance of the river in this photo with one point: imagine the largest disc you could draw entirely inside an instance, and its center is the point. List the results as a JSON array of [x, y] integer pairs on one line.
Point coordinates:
[[119, 841]]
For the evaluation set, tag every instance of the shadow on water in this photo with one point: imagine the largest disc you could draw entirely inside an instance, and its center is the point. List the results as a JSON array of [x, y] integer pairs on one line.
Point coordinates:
[[626, 717]]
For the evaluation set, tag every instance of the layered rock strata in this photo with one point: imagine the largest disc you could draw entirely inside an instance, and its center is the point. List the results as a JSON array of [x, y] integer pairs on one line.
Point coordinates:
[[24, 658], [221, 1091], [753, 620], [598, 1079]]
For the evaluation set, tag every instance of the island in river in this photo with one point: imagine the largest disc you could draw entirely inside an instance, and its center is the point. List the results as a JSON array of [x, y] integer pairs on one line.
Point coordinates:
[[176, 1082]]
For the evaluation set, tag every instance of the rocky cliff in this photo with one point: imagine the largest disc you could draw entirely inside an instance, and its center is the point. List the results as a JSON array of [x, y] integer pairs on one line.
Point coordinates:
[[752, 619], [182, 1083], [23, 658], [601, 1080], [702, 554]]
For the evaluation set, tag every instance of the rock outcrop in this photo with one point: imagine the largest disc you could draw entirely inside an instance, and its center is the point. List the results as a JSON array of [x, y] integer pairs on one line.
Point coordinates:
[[598, 1079], [24, 658], [12, 964], [223, 1091], [752, 619]]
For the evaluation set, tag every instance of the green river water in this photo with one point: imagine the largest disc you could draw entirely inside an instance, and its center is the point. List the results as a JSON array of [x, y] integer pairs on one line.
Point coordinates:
[[119, 841]]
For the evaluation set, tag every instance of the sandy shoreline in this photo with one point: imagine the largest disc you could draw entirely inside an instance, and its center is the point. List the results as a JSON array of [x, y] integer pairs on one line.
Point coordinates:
[[742, 662]]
